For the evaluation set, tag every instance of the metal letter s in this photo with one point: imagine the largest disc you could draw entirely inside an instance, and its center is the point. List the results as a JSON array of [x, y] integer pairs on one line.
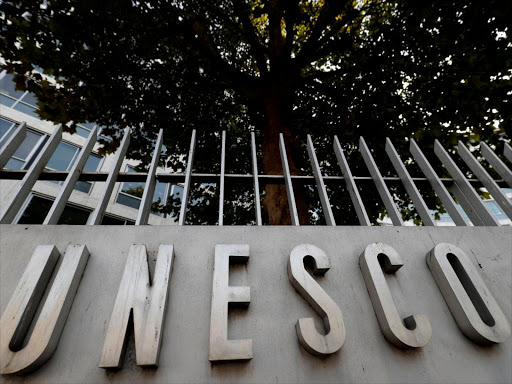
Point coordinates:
[[320, 301]]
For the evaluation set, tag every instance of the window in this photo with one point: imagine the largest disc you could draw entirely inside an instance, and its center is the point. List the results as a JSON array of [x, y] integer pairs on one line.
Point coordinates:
[[26, 152], [177, 191], [26, 108], [130, 193], [7, 88], [5, 130], [92, 164], [85, 129], [111, 220], [496, 210], [444, 217], [62, 159], [38, 207], [25, 102], [65, 156]]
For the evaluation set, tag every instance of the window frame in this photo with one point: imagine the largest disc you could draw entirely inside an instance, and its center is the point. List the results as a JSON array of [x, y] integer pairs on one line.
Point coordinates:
[[92, 183], [10, 131], [34, 151], [47, 197], [18, 100], [167, 190], [72, 204], [37, 148], [70, 165], [120, 218]]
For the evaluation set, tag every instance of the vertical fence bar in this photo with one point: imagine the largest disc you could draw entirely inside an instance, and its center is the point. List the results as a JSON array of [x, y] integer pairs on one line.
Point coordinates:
[[322, 193], [390, 205], [188, 174], [222, 174], [409, 185], [498, 165], [463, 184], [12, 144], [149, 187], [288, 181], [437, 185], [507, 151], [255, 179], [486, 179], [24, 187], [350, 184], [98, 213], [62, 198]]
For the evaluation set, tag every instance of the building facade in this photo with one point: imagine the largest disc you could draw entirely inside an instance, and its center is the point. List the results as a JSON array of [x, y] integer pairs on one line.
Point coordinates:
[[156, 302], [17, 107]]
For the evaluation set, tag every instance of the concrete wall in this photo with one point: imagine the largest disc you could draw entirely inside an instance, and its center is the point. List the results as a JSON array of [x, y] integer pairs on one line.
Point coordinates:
[[275, 306]]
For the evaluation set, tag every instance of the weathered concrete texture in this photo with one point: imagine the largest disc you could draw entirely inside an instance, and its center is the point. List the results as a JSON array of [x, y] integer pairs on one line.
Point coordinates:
[[275, 306]]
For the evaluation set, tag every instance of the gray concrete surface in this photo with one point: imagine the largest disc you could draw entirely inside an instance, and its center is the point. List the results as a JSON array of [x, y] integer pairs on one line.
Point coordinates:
[[275, 306]]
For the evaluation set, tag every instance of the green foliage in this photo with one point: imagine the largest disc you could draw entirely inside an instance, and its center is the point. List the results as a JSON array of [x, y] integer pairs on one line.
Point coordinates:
[[368, 68]]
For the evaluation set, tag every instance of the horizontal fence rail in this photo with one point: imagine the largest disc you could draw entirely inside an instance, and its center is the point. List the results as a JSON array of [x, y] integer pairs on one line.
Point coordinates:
[[462, 188]]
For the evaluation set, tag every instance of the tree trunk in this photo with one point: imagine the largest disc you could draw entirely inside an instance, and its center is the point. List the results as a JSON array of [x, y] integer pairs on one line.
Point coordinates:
[[277, 108]]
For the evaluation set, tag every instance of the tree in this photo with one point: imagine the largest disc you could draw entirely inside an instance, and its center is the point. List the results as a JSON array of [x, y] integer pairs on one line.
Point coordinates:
[[369, 68]]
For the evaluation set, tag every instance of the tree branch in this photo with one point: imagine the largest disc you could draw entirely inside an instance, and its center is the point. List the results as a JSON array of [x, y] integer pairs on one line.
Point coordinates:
[[291, 10], [275, 14], [326, 44], [328, 13], [257, 49], [348, 18], [344, 43], [234, 77]]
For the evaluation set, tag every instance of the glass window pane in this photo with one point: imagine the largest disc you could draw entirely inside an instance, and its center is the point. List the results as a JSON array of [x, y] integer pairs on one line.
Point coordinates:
[[28, 109], [14, 164], [62, 157], [137, 189], [128, 200], [36, 211], [7, 101], [159, 195], [82, 132], [7, 86], [28, 144], [83, 186], [88, 125], [177, 192], [109, 220], [93, 163], [496, 210], [30, 98], [74, 216], [38, 208], [132, 188], [4, 127]]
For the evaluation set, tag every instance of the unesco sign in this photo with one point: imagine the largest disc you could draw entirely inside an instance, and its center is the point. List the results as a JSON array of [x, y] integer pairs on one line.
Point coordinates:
[[43, 302]]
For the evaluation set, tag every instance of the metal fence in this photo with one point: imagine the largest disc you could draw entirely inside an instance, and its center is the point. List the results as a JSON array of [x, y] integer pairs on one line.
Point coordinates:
[[462, 188]]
